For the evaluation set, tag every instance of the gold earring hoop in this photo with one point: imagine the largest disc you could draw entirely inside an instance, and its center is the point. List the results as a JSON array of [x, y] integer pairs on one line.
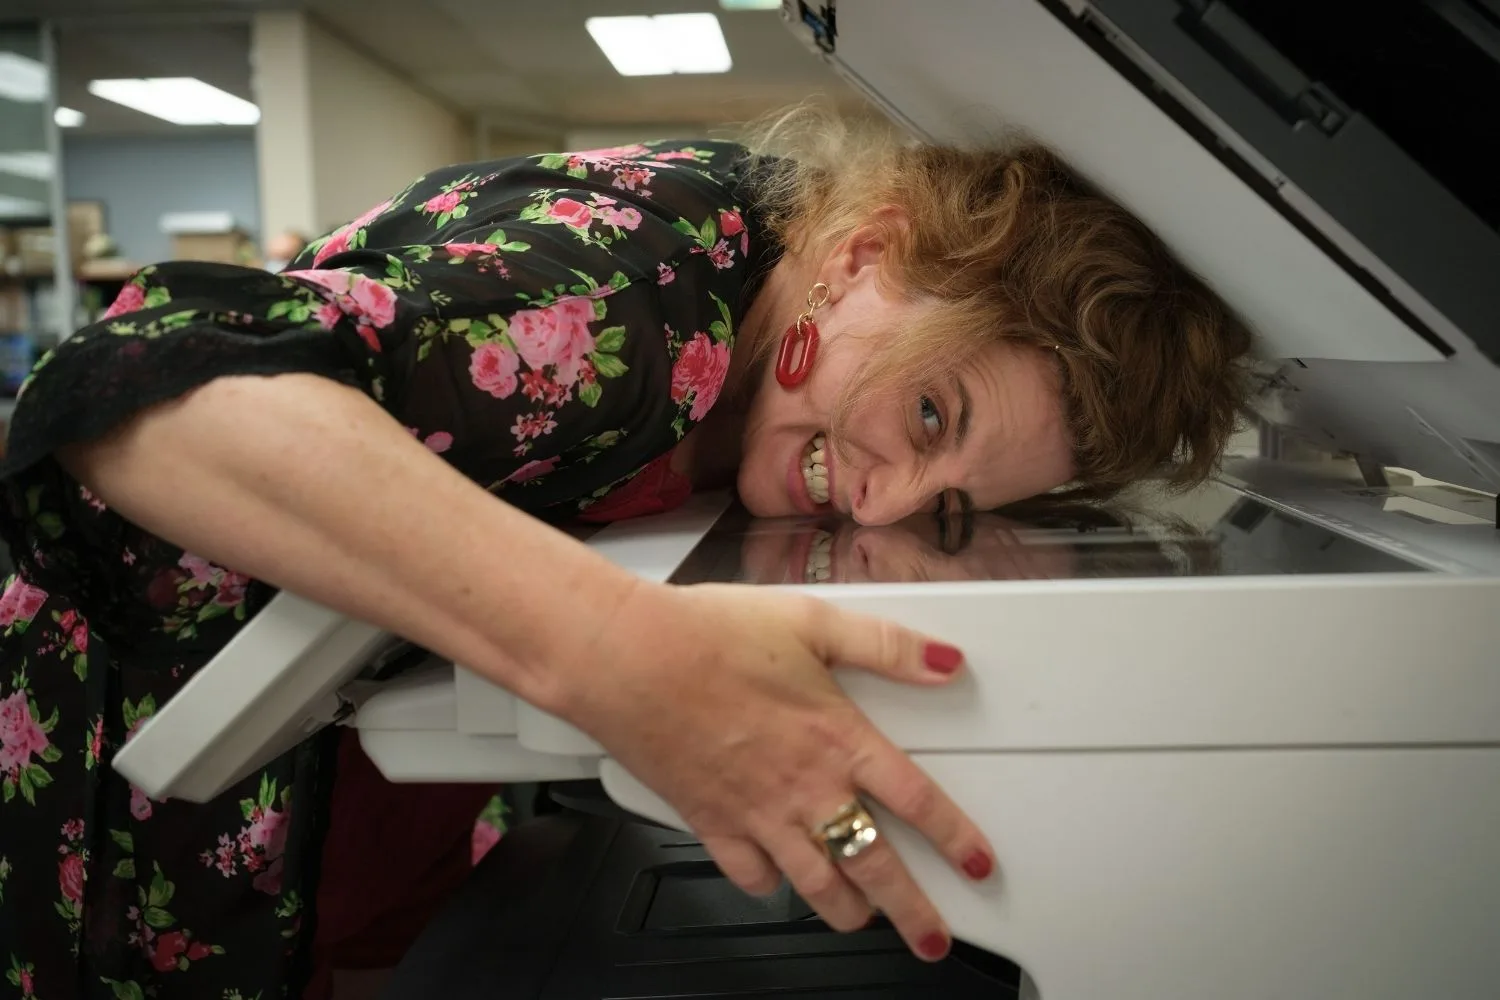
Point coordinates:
[[817, 297]]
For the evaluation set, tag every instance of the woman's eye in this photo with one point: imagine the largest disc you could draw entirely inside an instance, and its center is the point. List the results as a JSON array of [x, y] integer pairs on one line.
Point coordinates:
[[932, 421]]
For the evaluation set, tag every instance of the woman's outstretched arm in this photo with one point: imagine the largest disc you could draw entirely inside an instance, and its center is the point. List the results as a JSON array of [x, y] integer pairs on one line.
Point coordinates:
[[310, 486]]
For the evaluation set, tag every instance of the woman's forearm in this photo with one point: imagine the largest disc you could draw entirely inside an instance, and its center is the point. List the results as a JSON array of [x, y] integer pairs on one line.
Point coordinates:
[[308, 485]]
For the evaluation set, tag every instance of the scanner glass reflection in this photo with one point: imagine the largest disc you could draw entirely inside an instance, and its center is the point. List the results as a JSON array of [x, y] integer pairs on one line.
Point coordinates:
[[1215, 531]]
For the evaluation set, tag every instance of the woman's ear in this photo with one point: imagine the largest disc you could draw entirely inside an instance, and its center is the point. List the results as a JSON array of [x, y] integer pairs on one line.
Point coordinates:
[[868, 253]]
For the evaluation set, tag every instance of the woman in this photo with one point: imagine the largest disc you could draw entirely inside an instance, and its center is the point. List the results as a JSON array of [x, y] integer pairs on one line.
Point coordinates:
[[858, 327]]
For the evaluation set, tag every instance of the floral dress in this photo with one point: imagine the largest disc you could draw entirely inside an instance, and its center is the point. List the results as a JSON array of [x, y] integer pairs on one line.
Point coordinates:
[[551, 325]]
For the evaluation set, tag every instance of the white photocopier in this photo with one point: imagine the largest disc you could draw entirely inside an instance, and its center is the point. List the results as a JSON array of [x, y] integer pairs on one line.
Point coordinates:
[[1270, 772]]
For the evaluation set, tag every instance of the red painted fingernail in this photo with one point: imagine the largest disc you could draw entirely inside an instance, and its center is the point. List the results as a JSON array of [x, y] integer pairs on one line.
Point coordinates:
[[934, 946], [942, 658], [979, 866]]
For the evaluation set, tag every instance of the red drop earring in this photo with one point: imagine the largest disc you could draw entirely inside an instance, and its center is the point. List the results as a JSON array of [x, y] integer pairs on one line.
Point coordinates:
[[799, 345]]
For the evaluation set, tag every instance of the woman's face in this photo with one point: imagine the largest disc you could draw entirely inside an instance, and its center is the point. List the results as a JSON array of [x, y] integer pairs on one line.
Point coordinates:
[[994, 435], [918, 549]]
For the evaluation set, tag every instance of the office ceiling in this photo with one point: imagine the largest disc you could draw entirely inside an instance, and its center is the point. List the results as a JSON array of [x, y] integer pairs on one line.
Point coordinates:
[[521, 66]]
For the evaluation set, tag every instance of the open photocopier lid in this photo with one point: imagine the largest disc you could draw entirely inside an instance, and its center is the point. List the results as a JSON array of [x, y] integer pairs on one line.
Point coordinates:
[[1325, 166], [1283, 151]]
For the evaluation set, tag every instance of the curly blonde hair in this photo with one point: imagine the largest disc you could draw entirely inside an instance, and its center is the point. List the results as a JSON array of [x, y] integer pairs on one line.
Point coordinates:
[[1008, 242]]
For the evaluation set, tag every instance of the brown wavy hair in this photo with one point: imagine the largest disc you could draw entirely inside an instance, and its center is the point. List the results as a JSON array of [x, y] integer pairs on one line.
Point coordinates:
[[1008, 242]]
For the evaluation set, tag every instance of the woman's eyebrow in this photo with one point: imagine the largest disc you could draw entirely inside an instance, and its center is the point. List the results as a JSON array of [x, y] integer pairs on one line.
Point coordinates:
[[965, 414]]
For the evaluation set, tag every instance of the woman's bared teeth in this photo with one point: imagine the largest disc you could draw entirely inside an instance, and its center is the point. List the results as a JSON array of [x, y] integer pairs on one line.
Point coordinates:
[[815, 469], [819, 566]]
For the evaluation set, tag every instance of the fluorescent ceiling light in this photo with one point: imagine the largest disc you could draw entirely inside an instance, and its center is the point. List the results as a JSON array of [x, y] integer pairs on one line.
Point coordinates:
[[750, 4], [68, 117], [34, 164], [663, 44], [181, 100], [22, 79]]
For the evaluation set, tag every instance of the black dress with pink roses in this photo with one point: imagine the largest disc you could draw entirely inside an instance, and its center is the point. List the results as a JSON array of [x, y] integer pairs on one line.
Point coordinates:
[[551, 325]]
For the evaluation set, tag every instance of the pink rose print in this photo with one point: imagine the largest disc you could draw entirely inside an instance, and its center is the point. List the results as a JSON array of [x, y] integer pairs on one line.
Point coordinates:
[[70, 877], [731, 224], [26, 983], [198, 950], [201, 570], [633, 178], [571, 213], [20, 602], [91, 500], [462, 250], [131, 298], [328, 315], [721, 255], [140, 805], [228, 586], [699, 372], [538, 388], [556, 335], [374, 301], [612, 152], [623, 218], [445, 202], [665, 274], [21, 736], [492, 368], [533, 469], [483, 838], [231, 589], [336, 244], [269, 881], [439, 442], [168, 947], [339, 241], [370, 303], [335, 281], [80, 638], [533, 425], [674, 154]]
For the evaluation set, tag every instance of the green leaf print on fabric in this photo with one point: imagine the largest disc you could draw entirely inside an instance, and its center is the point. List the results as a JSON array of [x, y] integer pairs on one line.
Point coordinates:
[[124, 990]]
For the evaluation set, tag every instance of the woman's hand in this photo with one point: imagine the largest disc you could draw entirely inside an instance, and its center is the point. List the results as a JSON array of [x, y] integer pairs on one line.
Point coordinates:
[[720, 699]]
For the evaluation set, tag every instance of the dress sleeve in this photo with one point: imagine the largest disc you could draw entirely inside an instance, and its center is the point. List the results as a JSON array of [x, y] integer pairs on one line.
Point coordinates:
[[529, 334]]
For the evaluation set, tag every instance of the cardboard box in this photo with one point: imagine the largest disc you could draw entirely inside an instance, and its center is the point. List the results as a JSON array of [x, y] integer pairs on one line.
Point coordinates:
[[15, 308], [36, 249], [233, 247]]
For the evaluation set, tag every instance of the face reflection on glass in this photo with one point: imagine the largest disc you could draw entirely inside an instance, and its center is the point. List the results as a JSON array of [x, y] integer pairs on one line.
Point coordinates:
[[917, 549]]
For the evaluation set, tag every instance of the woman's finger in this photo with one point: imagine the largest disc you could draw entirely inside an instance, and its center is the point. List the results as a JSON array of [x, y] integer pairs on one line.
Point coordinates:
[[744, 864], [843, 638], [816, 879], [879, 873], [903, 788]]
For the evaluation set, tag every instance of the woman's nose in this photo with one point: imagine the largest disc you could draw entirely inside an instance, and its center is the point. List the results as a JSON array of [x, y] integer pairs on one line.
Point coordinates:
[[882, 499]]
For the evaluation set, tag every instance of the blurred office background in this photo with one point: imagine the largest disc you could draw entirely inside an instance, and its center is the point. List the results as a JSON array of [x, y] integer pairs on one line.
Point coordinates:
[[134, 131]]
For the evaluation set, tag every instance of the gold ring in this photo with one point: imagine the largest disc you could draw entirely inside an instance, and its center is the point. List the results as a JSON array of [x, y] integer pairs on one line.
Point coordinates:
[[849, 833]]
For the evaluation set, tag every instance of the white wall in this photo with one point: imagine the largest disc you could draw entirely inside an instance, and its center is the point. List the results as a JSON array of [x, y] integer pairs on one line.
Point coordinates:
[[372, 133], [338, 131], [283, 139]]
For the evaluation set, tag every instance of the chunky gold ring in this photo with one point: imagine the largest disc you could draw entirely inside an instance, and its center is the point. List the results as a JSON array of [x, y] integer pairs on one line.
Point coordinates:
[[849, 833]]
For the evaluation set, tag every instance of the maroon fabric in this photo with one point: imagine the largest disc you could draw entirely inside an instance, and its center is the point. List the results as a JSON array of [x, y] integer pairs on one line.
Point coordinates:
[[393, 855]]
